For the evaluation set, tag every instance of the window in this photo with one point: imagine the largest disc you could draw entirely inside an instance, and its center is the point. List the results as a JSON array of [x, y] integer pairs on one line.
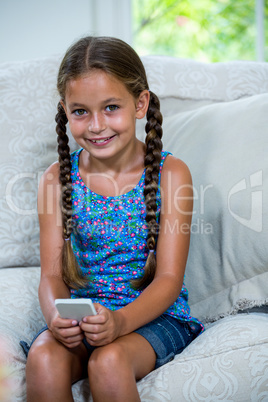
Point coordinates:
[[205, 30]]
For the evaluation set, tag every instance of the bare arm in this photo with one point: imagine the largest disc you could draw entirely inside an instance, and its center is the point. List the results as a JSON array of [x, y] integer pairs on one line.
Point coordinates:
[[52, 285]]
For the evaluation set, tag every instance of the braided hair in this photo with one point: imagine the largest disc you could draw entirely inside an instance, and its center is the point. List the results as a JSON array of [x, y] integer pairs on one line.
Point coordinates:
[[71, 272], [152, 160], [118, 59]]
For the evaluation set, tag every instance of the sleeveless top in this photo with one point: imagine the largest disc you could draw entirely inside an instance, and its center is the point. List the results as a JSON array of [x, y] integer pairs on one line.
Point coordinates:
[[109, 242]]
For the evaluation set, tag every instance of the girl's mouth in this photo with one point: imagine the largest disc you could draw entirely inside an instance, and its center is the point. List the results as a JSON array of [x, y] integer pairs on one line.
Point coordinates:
[[102, 141]]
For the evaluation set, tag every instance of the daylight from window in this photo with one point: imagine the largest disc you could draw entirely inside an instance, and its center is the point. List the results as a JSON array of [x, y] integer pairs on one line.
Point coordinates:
[[204, 30]]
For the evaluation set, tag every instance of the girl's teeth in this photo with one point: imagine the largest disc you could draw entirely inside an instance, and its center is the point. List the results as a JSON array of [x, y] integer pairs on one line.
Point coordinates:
[[99, 141]]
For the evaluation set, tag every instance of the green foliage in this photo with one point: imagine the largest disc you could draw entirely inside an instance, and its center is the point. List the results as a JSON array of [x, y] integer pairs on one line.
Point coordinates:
[[205, 30]]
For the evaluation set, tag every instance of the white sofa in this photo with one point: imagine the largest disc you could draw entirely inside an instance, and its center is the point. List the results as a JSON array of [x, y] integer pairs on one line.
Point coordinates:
[[216, 120]]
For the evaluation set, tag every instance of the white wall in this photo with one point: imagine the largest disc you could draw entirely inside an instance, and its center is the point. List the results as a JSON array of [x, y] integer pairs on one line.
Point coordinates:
[[38, 28]]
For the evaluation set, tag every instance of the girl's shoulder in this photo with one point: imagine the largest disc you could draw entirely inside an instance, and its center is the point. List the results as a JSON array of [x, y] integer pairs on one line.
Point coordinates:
[[175, 168], [51, 174]]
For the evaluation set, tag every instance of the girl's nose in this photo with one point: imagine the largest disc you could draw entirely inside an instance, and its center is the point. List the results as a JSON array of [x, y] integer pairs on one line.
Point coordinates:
[[97, 123]]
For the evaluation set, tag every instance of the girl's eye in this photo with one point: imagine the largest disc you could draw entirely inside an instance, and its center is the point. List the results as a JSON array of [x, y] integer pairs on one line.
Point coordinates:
[[112, 108], [79, 112]]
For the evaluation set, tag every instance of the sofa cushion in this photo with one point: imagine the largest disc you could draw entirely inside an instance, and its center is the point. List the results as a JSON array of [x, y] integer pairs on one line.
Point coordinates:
[[225, 147], [228, 362]]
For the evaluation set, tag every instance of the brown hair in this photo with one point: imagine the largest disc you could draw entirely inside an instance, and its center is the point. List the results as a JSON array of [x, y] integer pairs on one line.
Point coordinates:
[[117, 58]]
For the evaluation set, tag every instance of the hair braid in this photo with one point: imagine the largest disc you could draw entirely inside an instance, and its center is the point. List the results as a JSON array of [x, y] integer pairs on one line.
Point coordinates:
[[70, 270], [154, 146], [65, 171]]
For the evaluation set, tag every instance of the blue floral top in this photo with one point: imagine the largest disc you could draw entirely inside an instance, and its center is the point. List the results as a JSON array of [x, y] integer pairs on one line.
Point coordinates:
[[109, 241]]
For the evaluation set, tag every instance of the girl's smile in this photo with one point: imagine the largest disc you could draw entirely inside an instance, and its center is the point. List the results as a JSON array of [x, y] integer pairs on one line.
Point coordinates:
[[102, 141]]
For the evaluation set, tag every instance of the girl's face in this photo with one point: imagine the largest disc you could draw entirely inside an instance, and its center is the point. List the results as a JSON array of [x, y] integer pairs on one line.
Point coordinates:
[[102, 114]]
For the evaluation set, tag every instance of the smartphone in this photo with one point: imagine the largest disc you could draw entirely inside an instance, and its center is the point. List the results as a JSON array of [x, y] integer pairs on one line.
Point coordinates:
[[75, 309]]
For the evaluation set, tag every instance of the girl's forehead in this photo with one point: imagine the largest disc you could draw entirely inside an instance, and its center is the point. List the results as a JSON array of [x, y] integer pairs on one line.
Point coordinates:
[[96, 79], [97, 85]]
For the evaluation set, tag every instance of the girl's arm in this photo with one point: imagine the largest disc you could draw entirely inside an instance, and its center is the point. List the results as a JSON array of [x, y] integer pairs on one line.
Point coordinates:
[[52, 285], [172, 251]]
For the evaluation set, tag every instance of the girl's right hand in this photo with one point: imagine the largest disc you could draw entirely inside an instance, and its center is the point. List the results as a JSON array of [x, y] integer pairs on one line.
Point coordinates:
[[66, 331]]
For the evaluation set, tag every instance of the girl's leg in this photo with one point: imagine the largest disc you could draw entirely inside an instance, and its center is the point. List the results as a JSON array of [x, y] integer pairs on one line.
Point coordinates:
[[113, 369], [52, 368]]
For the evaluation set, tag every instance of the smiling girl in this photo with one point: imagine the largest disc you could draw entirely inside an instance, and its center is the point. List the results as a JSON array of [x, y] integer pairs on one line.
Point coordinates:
[[114, 197]]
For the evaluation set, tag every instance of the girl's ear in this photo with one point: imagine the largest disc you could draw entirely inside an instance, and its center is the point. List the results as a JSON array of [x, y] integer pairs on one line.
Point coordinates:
[[142, 104], [63, 105]]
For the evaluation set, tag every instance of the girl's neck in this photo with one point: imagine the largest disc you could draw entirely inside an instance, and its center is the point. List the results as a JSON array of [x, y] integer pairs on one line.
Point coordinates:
[[112, 178]]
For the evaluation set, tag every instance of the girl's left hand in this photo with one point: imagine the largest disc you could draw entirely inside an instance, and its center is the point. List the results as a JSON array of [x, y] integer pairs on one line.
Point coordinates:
[[102, 328]]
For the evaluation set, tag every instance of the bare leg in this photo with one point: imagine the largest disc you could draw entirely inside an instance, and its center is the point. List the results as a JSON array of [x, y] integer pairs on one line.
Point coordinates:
[[52, 368], [113, 369]]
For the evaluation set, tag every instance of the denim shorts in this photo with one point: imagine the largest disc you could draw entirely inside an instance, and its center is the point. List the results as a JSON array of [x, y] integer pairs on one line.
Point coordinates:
[[167, 335]]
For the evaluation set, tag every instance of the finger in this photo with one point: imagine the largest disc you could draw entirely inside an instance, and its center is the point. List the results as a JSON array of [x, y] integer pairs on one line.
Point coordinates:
[[97, 340], [65, 323], [98, 307], [93, 328], [63, 333], [73, 339], [95, 319], [69, 340], [70, 332]]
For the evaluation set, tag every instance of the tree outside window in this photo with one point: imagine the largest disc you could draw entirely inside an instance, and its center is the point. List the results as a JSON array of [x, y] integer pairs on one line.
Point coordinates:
[[205, 30]]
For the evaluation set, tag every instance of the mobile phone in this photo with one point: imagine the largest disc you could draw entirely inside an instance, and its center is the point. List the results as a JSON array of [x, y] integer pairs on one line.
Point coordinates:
[[75, 309]]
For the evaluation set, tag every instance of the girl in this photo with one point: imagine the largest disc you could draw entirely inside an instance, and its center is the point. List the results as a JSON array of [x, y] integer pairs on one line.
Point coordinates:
[[107, 234]]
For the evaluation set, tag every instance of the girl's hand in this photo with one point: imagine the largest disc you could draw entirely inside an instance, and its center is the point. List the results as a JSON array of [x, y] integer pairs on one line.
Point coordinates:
[[102, 328], [66, 331]]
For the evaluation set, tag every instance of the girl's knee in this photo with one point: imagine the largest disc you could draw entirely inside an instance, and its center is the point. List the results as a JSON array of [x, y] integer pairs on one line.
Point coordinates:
[[38, 368], [40, 355], [48, 371], [45, 353], [106, 360], [111, 375]]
